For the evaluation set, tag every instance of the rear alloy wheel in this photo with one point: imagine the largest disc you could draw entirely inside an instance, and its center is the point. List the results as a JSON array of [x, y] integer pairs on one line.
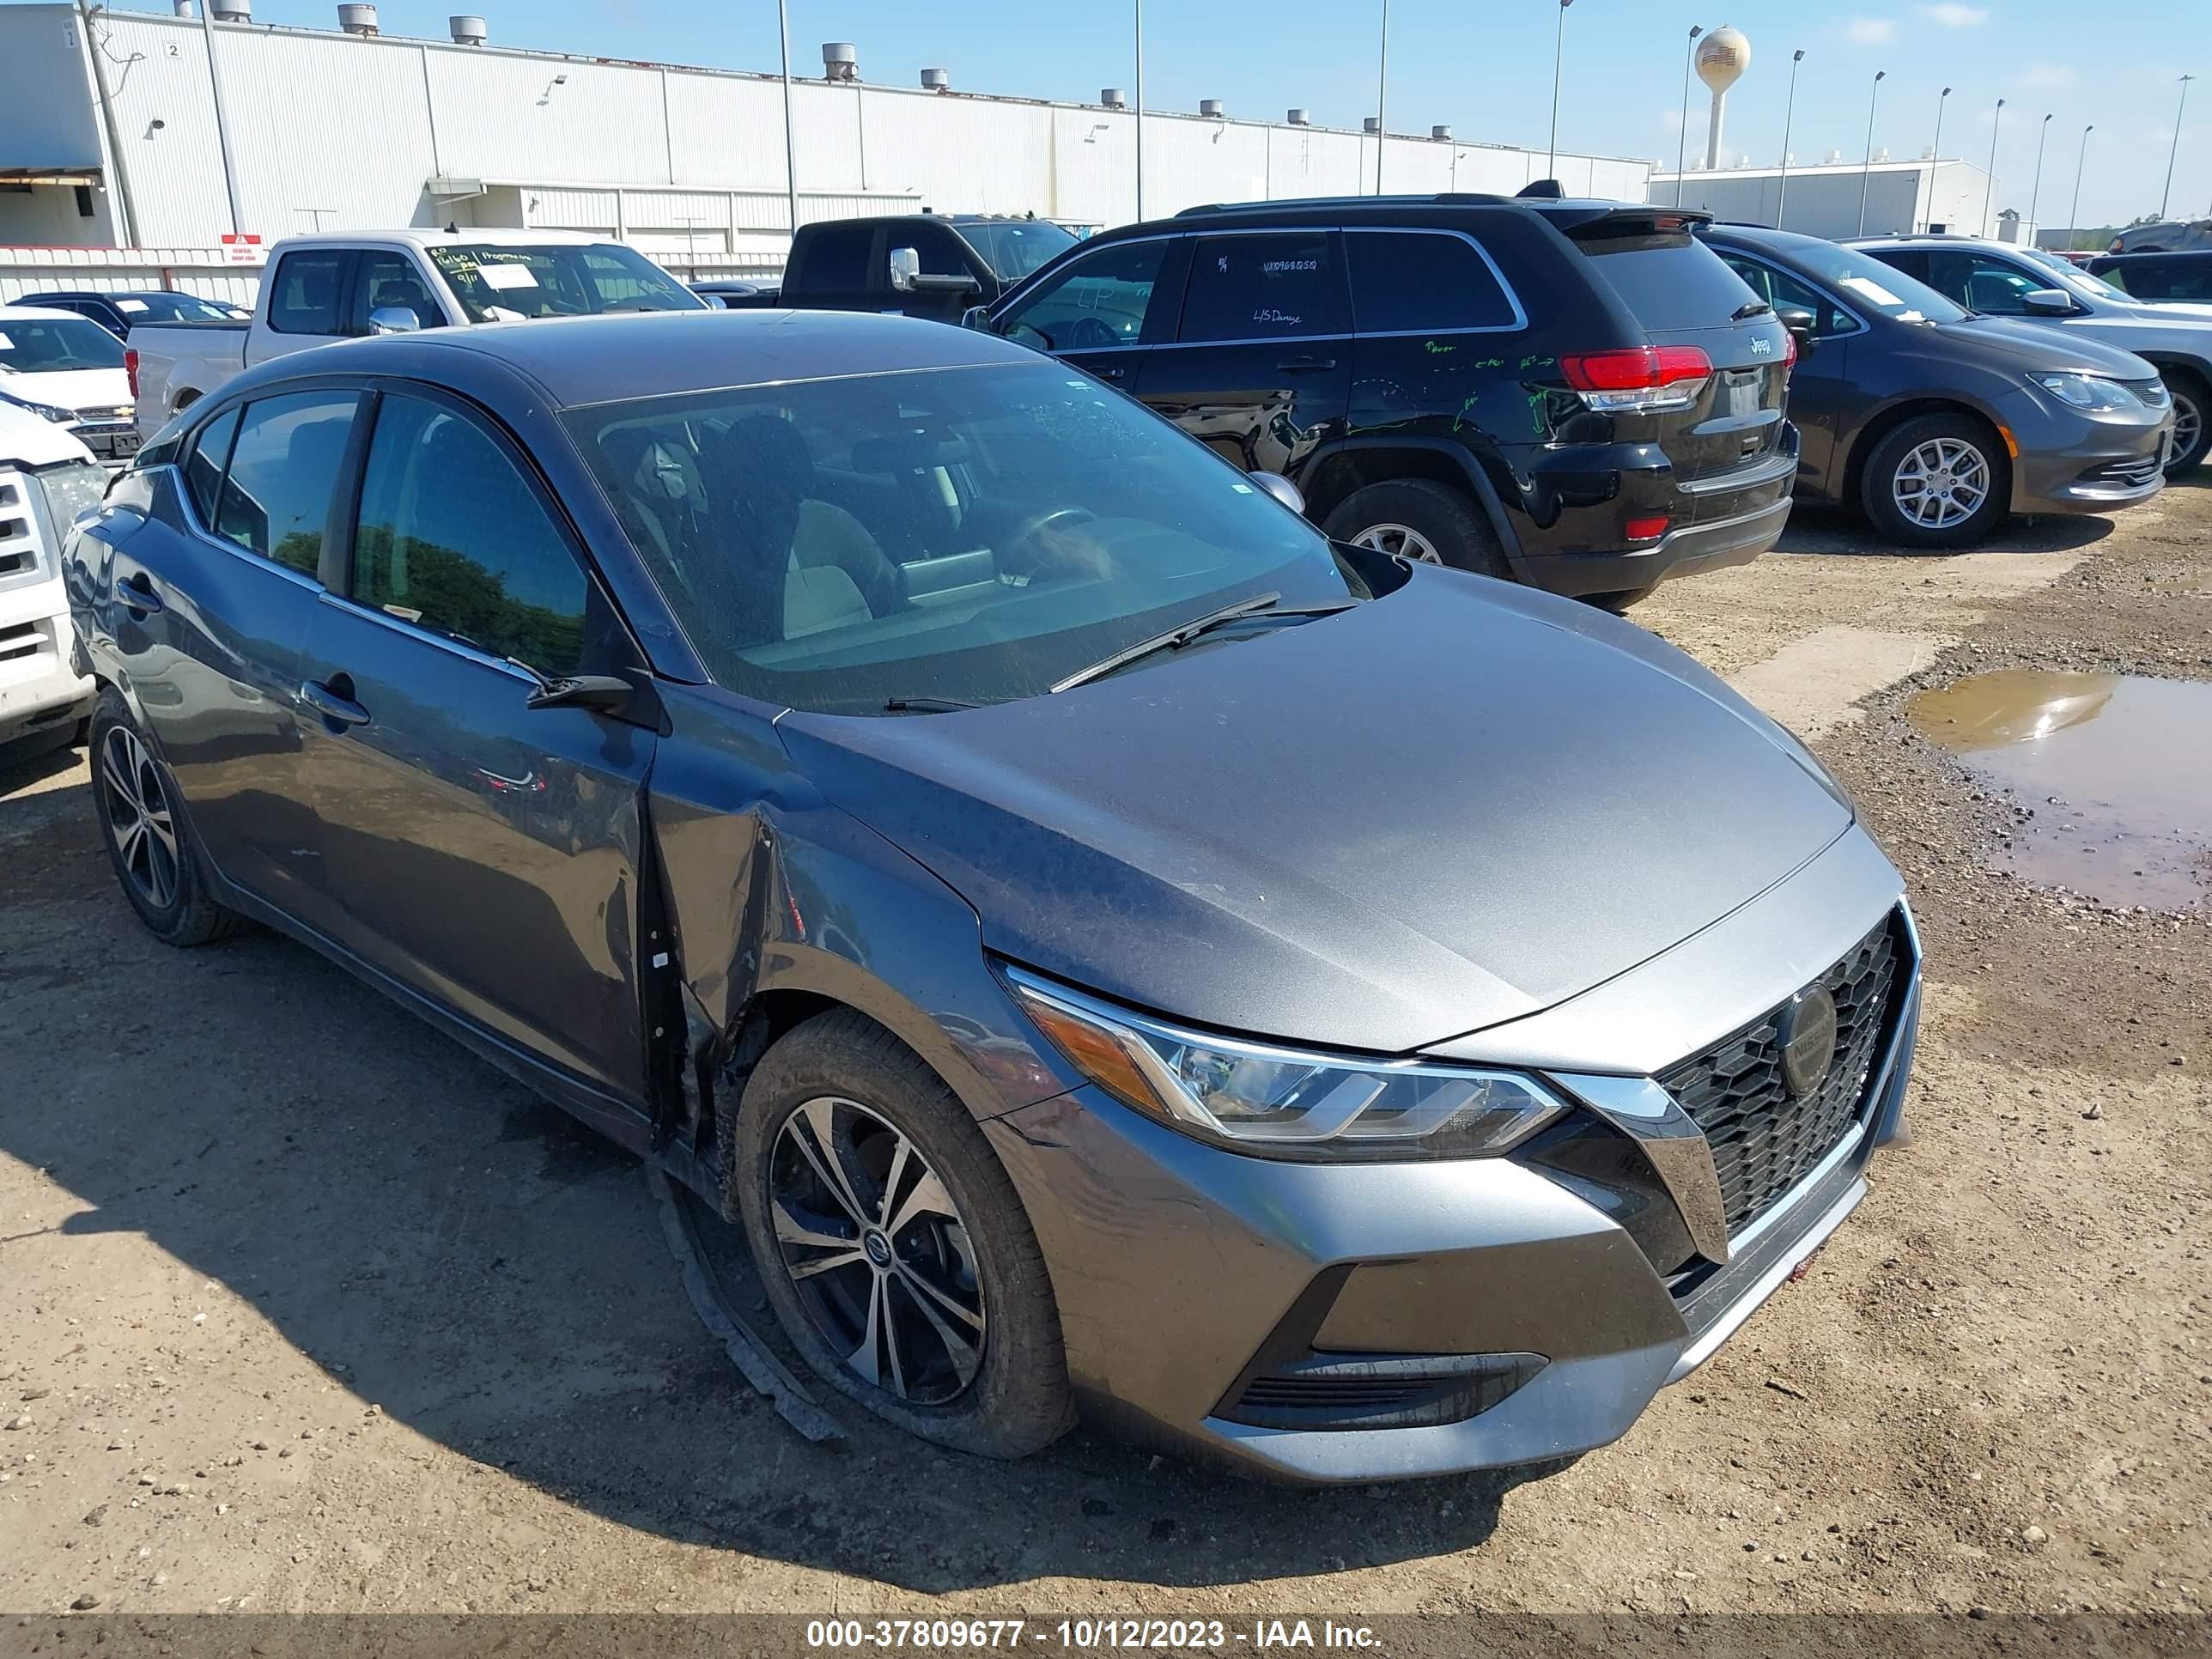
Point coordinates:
[[1419, 519], [2191, 437], [139, 820], [1939, 481], [891, 1243]]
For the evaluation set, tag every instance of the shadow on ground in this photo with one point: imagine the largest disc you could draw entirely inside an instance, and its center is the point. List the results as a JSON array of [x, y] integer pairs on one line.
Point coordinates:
[[494, 1276], [1830, 531]]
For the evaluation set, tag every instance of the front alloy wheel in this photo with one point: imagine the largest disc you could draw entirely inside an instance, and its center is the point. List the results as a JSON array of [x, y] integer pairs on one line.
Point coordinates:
[[2188, 442], [878, 1250], [1942, 483], [142, 830], [1401, 540]]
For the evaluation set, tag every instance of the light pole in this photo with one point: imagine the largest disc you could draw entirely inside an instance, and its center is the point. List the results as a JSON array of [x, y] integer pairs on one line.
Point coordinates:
[[2075, 211], [1140, 111], [1944, 98], [1682, 138], [1788, 114], [1866, 172], [1990, 179], [1558, 56], [790, 143], [1382, 98], [2167, 194], [2036, 194]]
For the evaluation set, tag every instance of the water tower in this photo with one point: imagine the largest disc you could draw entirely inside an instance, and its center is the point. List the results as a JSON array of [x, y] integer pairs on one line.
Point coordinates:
[[1723, 57]]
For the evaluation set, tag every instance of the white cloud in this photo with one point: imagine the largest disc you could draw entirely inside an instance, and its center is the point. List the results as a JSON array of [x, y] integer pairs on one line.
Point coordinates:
[[1870, 31], [1953, 16], [2047, 76], [1672, 120]]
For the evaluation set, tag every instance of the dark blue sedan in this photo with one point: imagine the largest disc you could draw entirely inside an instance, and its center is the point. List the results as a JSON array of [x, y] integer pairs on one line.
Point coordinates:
[[1106, 945]]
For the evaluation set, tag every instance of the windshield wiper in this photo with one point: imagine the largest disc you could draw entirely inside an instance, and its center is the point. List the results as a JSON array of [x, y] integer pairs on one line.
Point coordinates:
[[1174, 639], [925, 705]]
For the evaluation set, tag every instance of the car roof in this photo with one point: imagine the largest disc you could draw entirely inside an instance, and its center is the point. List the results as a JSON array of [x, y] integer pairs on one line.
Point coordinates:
[[608, 359], [1932, 239], [1760, 236], [417, 236], [40, 315]]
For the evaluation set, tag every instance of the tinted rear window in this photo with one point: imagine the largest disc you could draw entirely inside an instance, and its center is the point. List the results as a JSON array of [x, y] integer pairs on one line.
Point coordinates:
[[1670, 283], [1409, 282], [1279, 285]]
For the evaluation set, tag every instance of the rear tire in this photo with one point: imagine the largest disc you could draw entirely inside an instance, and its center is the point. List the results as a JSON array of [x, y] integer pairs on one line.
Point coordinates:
[[2192, 421], [973, 1358], [134, 799], [1937, 481], [1618, 603], [1419, 519]]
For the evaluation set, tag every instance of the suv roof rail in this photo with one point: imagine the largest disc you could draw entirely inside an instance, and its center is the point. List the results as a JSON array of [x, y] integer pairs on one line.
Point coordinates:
[[1443, 198]]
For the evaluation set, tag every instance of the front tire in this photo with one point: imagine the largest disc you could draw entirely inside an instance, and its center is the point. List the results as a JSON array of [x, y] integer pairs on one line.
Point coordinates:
[[2192, 421], [892, 1245], [135, 800], [1419, 519], [1936, 482]]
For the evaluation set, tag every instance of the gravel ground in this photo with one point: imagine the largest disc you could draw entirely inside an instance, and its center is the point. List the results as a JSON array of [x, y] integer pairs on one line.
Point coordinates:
[[302, 1309]]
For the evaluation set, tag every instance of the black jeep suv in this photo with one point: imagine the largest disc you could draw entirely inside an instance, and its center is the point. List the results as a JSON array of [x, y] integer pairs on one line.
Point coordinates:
[[1578, 395]]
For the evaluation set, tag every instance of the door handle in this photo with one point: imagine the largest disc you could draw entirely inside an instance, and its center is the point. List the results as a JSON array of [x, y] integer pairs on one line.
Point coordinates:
[[136, 592], [1305, 365], [1111, 374], [336, 710]]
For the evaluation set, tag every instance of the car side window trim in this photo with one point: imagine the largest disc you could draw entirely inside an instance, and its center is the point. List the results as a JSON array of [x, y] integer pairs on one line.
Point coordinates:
[[1519, 323], [1858, 323], [189, 441], [348, 258], [338, 562]]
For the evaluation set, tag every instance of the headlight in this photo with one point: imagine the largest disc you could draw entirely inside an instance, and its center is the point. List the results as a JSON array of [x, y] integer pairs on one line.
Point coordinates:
[[2089, 392], [45, 411], [1287, 1102]]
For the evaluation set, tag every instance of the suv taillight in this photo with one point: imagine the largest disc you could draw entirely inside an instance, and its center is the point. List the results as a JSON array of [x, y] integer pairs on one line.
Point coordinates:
[[1639, 377], [131, 368]]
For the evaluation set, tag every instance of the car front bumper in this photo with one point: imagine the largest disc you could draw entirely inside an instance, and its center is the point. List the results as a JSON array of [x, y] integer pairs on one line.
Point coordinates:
[[1194, 1282], [2090, 463]]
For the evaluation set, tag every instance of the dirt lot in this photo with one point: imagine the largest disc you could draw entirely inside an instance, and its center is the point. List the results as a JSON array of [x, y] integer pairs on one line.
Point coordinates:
[[301, 1308]]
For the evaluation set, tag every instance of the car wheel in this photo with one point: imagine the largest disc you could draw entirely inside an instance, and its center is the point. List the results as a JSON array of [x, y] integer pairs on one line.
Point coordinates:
[[1419, 520], [135, 803], [1938, 481], [2192, 408], [892, 1244], [1618, 603]]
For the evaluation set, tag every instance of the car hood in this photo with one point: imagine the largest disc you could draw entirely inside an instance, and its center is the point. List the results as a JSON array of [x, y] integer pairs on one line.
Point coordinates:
[[2042, 347], [70, 388], [1453, 805]]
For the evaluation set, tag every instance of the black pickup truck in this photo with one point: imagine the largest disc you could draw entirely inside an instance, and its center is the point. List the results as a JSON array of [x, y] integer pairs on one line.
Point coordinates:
[[926, 264]]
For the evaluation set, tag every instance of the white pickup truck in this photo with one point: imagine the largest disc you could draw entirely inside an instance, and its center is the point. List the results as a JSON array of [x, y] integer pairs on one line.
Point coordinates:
[[317, 289], [47, 476]]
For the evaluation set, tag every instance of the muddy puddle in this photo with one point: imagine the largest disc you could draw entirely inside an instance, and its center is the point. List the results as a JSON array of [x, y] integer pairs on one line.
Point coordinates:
[[2116, 770]]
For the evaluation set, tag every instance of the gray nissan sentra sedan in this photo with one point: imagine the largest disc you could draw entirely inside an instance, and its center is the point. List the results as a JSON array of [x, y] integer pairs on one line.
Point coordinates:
[[1112, 949]]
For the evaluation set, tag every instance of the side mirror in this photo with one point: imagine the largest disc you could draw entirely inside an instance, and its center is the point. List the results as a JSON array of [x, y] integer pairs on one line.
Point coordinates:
[[1800, 324], [393, 319], [2047, 302], [1275, 484], [967, 285], [977, 318], [906, 268], [630, 700]]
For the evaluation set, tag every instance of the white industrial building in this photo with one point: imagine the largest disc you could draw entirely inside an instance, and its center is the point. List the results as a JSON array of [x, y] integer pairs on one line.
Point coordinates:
[[120, 139], [1953, 196]]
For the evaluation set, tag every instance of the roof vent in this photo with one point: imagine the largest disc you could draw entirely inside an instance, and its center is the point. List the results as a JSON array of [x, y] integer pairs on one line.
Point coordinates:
[[1298, 117], [1372, 123], [1209, 106], [936, 80], [1881, 155], [184, 9], [358, 20], [841, 61], [467, 30], [1113, 98], [1441, 131], [1834, 158], [232, 11]]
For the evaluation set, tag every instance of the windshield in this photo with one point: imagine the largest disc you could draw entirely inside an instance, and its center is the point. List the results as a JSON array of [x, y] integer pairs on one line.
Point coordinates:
[[507, 284], [1865, 284], [1015, 247], [2072, 275], [51, 345], [972, 535]]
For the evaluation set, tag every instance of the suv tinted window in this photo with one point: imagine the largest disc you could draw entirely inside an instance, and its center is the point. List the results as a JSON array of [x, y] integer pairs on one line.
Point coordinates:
[[1274, 287], [1669, 282], [1412, 282], [282, 467], [838, 258], [203, 466], [452, 540], [1099, 299], [305, 293]]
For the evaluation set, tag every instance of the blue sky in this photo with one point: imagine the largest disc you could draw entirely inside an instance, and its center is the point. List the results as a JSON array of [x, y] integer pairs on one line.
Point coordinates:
[[1485, 66]]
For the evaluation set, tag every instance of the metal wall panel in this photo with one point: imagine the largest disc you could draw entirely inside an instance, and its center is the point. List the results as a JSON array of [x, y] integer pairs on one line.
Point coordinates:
[[1824, 201], [47, 117]]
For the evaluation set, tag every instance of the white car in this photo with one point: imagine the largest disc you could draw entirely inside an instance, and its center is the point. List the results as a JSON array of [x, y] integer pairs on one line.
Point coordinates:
[[68, 370], [47, 476]]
